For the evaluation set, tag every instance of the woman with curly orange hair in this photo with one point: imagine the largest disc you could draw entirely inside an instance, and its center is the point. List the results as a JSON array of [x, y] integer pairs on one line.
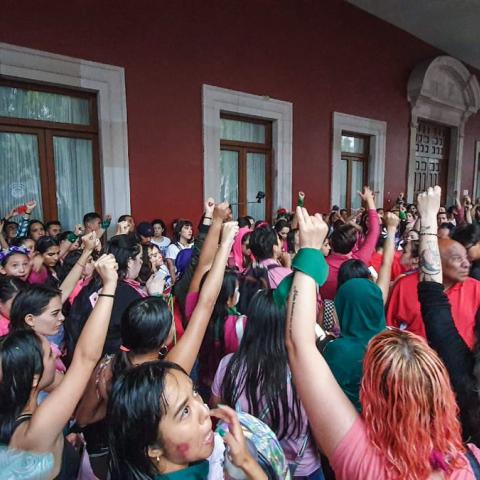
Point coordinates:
[[409, 428]]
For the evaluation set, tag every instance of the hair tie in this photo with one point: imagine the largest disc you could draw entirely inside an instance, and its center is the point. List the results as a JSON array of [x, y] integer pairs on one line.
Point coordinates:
[[4, 254], [437, 461], [124, 349], [262, 225]]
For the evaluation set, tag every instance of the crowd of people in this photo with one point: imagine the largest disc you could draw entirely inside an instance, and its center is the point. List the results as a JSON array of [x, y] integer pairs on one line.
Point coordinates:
[[337, 346]]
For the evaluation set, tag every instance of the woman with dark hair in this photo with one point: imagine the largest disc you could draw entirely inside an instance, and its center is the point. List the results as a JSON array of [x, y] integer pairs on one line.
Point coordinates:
[[146, 330], [39, 308], [27, 367], [182, 238], [221, 335], [159, 428], [44, 270], [128, 255], [282, 227], [159, 238], [35, 230], [258, 380], [10, 287]]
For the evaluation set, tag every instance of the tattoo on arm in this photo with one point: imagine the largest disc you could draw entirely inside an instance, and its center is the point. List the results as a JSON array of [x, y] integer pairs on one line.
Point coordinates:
[[290, 317], [430, 263]]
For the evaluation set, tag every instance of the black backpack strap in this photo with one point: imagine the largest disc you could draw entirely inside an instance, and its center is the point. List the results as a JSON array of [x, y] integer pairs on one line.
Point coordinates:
[[272, 266], [472, 459]]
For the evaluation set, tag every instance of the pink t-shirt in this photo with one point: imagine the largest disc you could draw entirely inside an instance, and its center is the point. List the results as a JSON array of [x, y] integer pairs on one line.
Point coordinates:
[[276, 273], [310, 461], [4, 325], [355, 458], [230, 337]]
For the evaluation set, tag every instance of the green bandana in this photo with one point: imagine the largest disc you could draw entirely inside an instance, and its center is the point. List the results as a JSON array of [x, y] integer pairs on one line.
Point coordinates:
[[309, 261]]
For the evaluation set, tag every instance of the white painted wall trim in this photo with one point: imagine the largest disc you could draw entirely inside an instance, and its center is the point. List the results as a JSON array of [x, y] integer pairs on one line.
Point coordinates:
[[476, 165], [442, 90], [377, 130], [109, 83], [217, 100]]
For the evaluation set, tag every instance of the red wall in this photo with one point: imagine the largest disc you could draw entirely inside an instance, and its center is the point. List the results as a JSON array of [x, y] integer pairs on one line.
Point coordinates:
[[322, 56]]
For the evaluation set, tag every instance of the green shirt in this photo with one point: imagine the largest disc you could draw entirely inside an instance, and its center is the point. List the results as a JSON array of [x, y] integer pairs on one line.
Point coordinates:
[[198, 471]]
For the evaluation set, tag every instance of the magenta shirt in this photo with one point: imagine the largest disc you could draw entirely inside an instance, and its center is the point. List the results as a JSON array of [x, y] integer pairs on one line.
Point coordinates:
[[364, 253], [4, 325]]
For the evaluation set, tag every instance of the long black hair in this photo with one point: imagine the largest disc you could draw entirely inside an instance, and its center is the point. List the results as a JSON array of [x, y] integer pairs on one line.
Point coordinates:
[[123, 248], [145, 326], [259, 369], [213, 345], [10, 287], [178, 230], [30, 224], [353, 268], [136, 406], [21, 358], [33, 301], [252, 280]]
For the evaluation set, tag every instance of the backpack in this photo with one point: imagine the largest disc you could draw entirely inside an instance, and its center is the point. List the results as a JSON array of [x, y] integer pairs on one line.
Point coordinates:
[[270, 454]]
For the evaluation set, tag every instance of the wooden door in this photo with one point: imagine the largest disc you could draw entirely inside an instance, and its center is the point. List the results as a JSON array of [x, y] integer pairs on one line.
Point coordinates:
[[431, 158]]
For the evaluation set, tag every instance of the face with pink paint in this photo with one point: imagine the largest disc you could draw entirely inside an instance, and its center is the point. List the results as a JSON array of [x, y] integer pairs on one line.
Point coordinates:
[[185, 431]]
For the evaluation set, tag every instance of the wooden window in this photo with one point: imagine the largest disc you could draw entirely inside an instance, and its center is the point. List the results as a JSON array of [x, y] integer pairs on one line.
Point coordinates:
[[49, 150], [246, 164], [353, 169]]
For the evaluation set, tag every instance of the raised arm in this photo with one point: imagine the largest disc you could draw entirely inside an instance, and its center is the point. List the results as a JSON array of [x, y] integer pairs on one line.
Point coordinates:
[[51, 416], [366, 250], [3, 242], [468, 206], [186, 350], [385, 273], [300, 203], [23, 226], [89, 242], [218, 214], [430, 264], [442, 333], [319, 392]]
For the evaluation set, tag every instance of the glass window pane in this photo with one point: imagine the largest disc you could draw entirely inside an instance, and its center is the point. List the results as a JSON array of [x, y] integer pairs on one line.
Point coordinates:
[[20, 173], [343, 184], [229, 179], [353, 144], [256, 183], [50, 107], [357, 184], [242, 131], [74, 179]]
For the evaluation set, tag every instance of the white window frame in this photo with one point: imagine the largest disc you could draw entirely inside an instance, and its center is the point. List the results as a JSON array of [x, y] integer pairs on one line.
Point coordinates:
[[377, 131], [109, 83], [218, 100]]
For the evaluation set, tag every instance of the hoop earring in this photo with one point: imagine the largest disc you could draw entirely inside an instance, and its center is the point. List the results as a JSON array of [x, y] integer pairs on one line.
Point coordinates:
[[162, 353]]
